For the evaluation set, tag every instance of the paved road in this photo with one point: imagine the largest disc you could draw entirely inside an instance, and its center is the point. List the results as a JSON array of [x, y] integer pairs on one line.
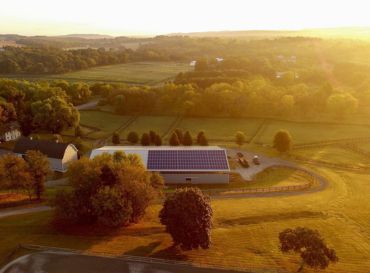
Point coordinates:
[[66, 262], [19, 211], [88, 105]]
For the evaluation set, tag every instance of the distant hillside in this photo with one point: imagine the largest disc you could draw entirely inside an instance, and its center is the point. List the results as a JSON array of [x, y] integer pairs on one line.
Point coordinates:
[[345, 32], [86, 36]]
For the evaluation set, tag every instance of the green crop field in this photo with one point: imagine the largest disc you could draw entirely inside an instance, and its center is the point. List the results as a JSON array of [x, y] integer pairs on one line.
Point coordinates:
[[159, 124], [220, 128], [313, 132], [131, 73]]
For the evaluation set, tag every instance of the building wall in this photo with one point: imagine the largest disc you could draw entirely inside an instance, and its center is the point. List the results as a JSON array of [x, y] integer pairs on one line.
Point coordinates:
[[70, 154], [12, 135], [194, 178], [56, 164]]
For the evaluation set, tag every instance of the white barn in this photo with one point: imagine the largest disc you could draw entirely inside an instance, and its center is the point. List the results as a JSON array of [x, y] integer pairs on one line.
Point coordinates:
[[180, 164], [59, 154]]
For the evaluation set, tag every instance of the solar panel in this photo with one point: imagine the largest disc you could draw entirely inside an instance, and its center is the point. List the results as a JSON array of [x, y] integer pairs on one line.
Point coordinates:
[[187, 160]]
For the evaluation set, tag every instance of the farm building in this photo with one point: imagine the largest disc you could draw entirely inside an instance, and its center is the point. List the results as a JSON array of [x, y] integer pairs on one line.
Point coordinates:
[[9, 131], [59, 154], [180, 165]]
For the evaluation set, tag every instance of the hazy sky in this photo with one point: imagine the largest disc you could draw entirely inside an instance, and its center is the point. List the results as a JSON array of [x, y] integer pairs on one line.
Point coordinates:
[[141, 17]]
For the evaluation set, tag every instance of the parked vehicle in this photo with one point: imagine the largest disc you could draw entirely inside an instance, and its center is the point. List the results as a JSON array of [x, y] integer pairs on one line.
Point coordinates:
[[256, 160], [243, 162]]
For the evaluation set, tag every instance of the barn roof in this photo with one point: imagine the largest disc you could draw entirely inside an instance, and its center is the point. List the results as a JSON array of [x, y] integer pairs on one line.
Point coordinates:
[[175, 158], [49, 148]]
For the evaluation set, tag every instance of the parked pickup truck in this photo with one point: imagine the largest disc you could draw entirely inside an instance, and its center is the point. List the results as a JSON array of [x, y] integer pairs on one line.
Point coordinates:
[[243, 162]]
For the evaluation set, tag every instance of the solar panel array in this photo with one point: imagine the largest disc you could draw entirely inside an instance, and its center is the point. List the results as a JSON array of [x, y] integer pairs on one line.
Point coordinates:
[[187, 160]]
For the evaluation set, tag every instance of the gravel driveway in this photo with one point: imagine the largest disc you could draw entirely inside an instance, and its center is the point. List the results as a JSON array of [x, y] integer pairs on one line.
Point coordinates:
[[266, 162]]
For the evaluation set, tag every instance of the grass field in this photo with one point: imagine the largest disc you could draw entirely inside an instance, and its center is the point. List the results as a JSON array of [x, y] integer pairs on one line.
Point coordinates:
[[132, 73], [220, 128], [224, 129], [313, 132], [106, 122], [143, 124], [245, 231], [333, 154]]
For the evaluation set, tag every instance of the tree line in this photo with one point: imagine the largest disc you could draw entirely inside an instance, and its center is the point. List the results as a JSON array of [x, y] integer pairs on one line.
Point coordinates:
[[41, 105], [51, 60], [177, 138], [244, 98]]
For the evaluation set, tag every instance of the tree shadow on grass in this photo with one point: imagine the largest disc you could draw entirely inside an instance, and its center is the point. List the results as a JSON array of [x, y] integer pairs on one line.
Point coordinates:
[[171, 253], [143, 250], [270, 218]]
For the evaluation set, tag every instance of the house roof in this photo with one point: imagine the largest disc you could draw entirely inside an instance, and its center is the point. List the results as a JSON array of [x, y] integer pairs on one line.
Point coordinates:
[[175, 158], [9, 126], [49, 148]]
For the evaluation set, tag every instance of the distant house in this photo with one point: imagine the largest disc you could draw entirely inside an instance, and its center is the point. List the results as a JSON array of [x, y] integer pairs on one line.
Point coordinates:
[[180, 164], [10, 131], [193, 63], [59, 154], [219, 60]]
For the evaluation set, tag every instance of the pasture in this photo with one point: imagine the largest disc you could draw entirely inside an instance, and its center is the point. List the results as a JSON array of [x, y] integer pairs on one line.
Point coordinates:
[[313, 132], [148, 73], [333, 154], [221, 128], [143, 124], [107, 123]]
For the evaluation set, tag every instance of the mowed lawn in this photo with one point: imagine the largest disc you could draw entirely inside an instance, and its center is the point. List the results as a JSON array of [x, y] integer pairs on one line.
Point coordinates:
[[221, 128], [143, 124], [312, 132], [333, 154], [132, 73], [106, 122], [245, 232]]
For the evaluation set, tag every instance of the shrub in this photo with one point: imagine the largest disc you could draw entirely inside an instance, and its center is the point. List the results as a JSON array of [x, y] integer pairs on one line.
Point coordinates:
[[282, 141], [133, 137]]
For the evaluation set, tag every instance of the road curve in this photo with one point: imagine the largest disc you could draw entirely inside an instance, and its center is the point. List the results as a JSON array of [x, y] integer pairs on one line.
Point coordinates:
[[19, 211]]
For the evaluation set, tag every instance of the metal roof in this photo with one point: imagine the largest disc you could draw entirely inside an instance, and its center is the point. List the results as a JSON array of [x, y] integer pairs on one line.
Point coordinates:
[[50, 148], [175, 158]]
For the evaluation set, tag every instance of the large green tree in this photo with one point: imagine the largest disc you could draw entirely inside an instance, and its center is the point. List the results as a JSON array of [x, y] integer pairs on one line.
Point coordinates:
[[15, 174], [240, 138], [309, 245], [282, 141], [111, 190], [187, 215], [54, 114], [39, 168]]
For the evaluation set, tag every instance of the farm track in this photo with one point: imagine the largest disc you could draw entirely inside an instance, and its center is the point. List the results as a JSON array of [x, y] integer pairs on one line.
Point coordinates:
[[258, 132], [173, 126]]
